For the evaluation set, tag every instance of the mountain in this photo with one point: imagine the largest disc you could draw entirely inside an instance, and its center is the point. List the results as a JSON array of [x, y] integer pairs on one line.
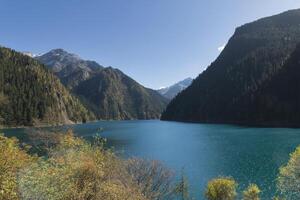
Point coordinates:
[[32, 95], [278, 100], [107, 92], [70, 68], [247, 78], [171, 91]]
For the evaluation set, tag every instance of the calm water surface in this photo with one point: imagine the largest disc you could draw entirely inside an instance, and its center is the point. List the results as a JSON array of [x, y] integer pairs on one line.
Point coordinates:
[[250, 155]]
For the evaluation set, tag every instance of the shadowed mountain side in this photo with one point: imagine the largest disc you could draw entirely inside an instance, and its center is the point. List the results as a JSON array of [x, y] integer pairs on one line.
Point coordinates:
[[254, 56]]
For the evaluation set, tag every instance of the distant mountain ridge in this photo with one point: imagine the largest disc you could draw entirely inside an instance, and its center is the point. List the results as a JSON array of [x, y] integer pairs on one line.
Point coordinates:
[[242, 84], [106, 91], [31, 95], [171, 91]]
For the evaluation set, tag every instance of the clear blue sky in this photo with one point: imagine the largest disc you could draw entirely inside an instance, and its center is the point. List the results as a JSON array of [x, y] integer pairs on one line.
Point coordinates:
[[157, 42]]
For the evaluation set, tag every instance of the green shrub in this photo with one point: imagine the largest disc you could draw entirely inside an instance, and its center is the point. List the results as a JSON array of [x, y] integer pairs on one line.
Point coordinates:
[[288, 182], [12, 159], [221, 189], [251, 193]]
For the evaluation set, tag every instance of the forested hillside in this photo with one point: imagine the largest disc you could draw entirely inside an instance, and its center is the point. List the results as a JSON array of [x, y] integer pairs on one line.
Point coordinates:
[[231, 87], [113, 95], [278, 100], [107, 92], [31, 95]]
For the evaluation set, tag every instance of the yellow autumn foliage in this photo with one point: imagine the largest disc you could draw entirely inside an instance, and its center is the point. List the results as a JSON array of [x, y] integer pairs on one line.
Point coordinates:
[[288, 182], [251, 193], [12, 159], [74, 169], [221, 189]]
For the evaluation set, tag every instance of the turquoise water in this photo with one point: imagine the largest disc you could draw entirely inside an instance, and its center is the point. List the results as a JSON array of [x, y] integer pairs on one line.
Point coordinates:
[[205, 151]]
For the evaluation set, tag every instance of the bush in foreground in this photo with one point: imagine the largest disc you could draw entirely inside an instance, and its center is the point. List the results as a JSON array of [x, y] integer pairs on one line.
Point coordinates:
[[288, 182], [251, 193], [77, 170], [221, 189], [12, 159]]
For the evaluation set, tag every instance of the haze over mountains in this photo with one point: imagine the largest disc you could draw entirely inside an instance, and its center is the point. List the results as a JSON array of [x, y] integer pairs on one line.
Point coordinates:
[[253, 81], [107, 92], [171, 91]]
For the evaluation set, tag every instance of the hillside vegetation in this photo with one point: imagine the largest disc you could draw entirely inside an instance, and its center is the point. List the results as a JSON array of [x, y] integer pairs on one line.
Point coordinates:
[[31, 95], [110, 94], [107, 92], [234, 88]]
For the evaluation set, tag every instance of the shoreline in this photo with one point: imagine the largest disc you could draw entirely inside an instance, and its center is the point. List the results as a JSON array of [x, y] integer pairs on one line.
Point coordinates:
[[73, 123], [250, 125], [38, 126], [242, 124]]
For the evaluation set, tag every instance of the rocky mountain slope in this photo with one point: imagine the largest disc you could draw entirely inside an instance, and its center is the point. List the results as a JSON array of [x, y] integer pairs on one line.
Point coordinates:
[[107, 92]]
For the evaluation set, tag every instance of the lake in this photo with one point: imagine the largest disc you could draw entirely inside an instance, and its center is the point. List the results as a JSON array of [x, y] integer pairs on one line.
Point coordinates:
[[204, 151]]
